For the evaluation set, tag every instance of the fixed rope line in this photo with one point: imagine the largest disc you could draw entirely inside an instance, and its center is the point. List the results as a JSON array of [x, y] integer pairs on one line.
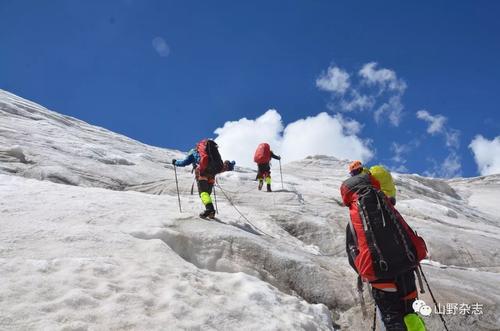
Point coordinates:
[[242, 192], [239, 212], [432, 296]]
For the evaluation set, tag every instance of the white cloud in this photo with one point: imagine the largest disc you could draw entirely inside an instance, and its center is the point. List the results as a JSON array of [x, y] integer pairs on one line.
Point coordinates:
[[449, 168], [452, 138], [436, 123], [357, 101], [320, 134], [384, 78], [334, 80], [161, 46], [487, 154], [437, 126], [351, 127], [238, 139], [399, 151], [389, 86], [393, 109], [400, 168], [379, 90]]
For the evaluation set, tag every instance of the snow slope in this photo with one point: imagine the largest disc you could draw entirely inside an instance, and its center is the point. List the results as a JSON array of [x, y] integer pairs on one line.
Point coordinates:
[[41, 144], [100, 244]]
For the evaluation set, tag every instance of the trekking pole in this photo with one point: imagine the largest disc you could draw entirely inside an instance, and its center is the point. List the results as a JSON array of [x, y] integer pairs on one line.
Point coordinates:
[[215, 200], [177, 186], [281, 174], [194, 180], [374, 326], [361, 297], [432, 296]]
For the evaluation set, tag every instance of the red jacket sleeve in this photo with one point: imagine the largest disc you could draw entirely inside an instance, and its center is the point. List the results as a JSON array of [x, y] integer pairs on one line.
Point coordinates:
[[346, 194]]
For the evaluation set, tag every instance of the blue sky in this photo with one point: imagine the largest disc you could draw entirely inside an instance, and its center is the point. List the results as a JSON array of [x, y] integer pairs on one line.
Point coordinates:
[[224, 60]]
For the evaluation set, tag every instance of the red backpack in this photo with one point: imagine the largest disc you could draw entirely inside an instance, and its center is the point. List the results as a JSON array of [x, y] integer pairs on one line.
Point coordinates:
[[262, 154], [383, 244], [210, 159]]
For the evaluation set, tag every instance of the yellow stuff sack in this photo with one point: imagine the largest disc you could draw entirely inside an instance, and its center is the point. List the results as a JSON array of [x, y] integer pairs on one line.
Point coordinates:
[[385, 179]]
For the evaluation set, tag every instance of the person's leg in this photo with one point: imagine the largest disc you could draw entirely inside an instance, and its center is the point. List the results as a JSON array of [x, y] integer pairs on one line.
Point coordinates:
[[205, 190], [388, 302], [268, 181], [261, 183], [407, 290], [267, 175], [408, 293], [260, 176], [395, 299]]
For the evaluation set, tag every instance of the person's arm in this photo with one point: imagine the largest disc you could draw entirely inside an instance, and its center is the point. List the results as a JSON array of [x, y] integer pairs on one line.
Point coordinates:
[[228, 166], [346, 195], [274, 156], [350, 246], [182, 163]]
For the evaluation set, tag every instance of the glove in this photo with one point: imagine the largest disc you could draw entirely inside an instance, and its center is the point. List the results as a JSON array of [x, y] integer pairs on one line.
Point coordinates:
[[393, 200], [278, 157], [229, 165], [173, 161]]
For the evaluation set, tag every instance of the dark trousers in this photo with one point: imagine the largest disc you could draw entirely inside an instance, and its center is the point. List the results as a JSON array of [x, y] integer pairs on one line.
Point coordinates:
[[204, 186], [263, 170], [394, 306]]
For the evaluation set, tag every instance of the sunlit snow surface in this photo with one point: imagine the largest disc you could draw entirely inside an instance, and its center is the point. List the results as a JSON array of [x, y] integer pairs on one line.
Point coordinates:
[[100, 243]]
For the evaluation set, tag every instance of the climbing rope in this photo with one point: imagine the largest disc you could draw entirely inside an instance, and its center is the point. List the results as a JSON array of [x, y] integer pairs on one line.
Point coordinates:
[[238, 211], [239, 192]]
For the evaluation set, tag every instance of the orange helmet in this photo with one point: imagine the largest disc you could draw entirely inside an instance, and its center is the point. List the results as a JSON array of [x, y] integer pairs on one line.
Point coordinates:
[[354, 165]]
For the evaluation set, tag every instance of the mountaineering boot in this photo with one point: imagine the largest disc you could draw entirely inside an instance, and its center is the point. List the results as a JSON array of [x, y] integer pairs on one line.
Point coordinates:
[[269, 188], [261, 182], [209, 212]]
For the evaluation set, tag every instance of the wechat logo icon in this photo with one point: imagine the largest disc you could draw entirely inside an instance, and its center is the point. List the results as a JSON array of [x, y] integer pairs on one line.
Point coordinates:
[[420, 307]]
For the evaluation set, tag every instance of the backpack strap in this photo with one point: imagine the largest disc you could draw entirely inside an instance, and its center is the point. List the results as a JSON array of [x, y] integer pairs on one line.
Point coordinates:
[[351, 227]]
